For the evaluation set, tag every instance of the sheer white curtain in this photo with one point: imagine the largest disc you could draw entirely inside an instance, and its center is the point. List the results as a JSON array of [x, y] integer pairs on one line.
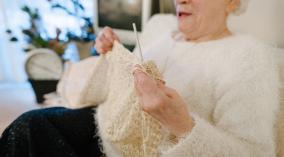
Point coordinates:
[[11, 53]]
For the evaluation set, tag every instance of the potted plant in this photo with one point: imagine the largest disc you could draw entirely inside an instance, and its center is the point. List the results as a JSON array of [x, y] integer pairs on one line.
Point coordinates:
[[83, 41], [36, 42], [37, 39]]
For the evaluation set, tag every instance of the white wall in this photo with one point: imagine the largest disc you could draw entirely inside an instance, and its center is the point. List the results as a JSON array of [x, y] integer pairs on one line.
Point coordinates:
[[264, 18], [279, 5], [1, 32], [11, 55]]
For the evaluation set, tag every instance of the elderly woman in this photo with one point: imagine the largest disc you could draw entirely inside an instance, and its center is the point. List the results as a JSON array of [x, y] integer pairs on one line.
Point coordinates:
[[220, 95]]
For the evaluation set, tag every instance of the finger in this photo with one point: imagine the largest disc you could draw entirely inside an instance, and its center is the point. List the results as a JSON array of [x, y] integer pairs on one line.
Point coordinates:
[[139, 77], [109, 34], [99, 47], [170, 92], [155, 103], [160, 82], [106, 43], [144, 83], [163, 89], [137, 68], [116, 37], [101, 51], [138, 92], [113, 34]]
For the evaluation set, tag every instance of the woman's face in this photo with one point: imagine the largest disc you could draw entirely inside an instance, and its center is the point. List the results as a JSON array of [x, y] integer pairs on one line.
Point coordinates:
[[197, 18]]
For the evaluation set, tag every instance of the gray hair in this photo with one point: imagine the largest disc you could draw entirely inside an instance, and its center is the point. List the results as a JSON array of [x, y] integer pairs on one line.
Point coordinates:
[[242, 8]]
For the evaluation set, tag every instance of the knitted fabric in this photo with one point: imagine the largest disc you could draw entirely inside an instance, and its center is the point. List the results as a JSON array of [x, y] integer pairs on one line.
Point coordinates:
[[130, 129]]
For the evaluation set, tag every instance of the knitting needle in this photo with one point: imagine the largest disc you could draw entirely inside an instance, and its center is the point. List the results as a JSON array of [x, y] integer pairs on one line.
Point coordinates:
[[137, 41]]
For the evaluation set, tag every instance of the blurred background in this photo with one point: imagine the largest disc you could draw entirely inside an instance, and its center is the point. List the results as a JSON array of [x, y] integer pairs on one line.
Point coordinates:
[[32, 30]]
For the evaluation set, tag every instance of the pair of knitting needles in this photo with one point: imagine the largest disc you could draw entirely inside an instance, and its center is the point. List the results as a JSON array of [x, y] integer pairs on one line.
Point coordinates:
[[140, 50], [137, 41]]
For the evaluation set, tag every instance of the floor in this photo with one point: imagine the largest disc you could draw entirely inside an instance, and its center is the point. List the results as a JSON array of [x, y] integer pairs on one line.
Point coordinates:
[[15, 99]]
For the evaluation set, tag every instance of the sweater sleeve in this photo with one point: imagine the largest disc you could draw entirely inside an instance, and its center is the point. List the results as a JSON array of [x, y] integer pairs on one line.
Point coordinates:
[[243, 119], [85, 83], [96, 90]]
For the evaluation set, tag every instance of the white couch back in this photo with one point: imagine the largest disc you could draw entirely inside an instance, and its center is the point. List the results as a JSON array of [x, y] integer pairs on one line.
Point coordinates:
[[264, 19]]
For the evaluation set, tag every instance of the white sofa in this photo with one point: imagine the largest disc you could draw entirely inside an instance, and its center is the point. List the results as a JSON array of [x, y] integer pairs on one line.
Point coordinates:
[[263, 20]]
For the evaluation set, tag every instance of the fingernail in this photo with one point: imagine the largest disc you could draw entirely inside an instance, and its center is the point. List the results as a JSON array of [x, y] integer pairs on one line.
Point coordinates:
[[138, 66], [136, 69]]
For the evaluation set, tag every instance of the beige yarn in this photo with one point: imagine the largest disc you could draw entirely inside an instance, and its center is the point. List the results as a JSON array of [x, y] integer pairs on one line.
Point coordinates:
[[130, 129]]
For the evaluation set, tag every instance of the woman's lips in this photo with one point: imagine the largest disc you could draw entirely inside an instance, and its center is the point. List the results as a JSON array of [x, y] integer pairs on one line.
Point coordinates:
[[184, 14]]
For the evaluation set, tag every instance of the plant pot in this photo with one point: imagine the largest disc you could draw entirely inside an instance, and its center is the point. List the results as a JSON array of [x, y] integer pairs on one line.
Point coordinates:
[[42, 87], [84, 49]]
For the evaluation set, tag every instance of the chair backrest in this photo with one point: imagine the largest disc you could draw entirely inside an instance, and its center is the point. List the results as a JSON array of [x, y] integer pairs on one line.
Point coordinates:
[[264, 19]]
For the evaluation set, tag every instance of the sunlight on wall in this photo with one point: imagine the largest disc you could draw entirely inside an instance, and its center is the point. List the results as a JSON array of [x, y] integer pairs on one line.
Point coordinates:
[[11, 55], [264, 19]]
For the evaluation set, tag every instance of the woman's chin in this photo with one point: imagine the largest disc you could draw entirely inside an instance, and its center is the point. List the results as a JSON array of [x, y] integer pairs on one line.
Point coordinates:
[[185, 24], [185, 28]]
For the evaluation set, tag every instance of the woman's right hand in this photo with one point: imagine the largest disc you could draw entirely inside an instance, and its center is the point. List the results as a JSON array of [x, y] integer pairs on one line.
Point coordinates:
[[105, 39]]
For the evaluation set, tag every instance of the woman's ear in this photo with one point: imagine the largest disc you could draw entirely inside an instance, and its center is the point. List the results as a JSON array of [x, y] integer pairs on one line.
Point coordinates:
[[233, 5]]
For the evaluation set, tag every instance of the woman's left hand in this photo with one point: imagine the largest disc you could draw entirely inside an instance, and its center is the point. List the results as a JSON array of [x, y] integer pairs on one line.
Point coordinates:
[[163, 103]]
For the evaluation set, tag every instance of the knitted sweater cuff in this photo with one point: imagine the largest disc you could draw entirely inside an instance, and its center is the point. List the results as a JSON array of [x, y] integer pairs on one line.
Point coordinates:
[[205, 140]]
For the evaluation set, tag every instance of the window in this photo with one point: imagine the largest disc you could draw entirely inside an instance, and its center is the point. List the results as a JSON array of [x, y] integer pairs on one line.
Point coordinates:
[[12, 17]]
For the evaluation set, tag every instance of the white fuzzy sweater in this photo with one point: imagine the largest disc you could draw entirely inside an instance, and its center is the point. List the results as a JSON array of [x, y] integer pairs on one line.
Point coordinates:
[[231, 87]]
